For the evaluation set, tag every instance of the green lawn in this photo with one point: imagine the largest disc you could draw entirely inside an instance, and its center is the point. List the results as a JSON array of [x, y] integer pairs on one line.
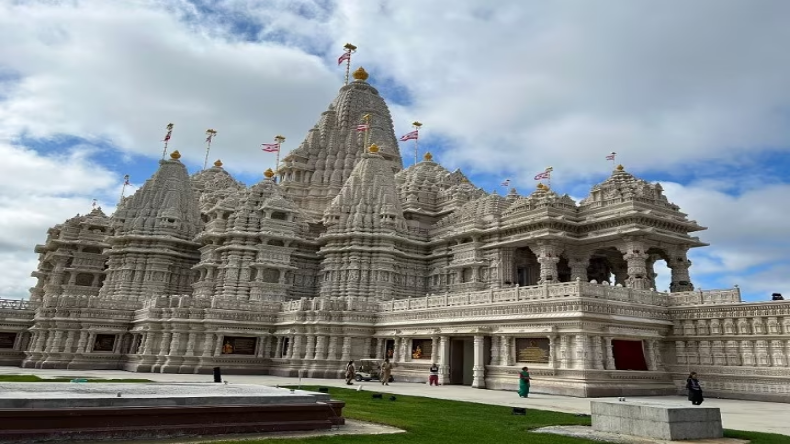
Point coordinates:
[[437, 421], [33, 378]]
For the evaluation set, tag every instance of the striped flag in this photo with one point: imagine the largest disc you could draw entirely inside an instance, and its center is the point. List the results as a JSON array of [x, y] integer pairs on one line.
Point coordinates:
[[363, 127], [271, 147], [414, 135], [545, 174], [343, 58], [506, 183], [610, 156]]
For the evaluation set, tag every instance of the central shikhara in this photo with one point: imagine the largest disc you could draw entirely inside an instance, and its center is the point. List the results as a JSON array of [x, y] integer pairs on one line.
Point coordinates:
[[343, 254]]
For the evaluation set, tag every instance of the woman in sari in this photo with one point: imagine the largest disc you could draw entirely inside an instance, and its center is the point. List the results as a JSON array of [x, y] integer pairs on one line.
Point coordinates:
[[523, 383], [695, 390]]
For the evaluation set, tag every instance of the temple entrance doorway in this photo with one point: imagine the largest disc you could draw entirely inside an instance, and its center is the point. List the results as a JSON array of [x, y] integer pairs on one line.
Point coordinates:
[[462, 352], [629, 355], [527, 267]]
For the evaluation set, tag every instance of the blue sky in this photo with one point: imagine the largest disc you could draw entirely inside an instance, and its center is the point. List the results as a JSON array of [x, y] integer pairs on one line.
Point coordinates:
[[86, 89]]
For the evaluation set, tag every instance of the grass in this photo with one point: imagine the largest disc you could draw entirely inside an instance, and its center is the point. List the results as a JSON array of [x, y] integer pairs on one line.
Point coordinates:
[[437, 421], [34, 378]]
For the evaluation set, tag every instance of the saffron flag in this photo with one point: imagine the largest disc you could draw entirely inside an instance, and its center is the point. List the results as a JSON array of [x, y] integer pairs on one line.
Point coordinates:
[[506, 183], [271, 147], [343, 58], [610, 157], [414, 135], [363, 127]]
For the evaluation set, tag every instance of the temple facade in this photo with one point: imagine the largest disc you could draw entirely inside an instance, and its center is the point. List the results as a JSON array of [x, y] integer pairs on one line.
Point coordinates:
[[342, 254]]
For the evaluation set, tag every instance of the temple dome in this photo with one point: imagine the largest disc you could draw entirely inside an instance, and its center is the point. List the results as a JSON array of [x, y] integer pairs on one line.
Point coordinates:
[[622, 186]]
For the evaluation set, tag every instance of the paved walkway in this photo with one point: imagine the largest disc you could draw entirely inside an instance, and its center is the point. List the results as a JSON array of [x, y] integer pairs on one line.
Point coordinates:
[[739, 415]]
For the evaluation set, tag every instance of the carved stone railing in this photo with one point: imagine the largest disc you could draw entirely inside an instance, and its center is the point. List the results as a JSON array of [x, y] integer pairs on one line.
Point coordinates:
[[331, 304], [706, 297], [17, 304], [85, 301], [564, 290]]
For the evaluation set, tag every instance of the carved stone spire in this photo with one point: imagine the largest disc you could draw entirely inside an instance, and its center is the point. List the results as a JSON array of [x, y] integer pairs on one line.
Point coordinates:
[[152, 249], [315, 171]]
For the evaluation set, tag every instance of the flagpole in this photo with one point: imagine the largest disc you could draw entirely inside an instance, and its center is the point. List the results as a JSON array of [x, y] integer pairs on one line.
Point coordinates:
[[548, 178], [210, 133], [350, 49], [279, 139], [613, 161], [417, 126], [93, 205], [366, 119], [167, 139], [123, 189]]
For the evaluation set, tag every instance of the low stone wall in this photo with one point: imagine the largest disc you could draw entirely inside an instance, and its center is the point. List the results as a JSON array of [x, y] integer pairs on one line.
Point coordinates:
[[655, 421]]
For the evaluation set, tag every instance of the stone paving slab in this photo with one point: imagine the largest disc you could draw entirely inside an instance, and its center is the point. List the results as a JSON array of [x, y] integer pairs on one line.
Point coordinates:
[[17, 395], [588, 433]]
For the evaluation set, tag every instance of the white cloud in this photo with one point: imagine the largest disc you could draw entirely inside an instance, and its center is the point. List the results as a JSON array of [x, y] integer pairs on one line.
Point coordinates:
[[123, 70]]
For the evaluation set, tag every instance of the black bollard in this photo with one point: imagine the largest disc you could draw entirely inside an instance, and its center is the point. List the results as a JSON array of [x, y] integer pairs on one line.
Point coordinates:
[[217, 374]]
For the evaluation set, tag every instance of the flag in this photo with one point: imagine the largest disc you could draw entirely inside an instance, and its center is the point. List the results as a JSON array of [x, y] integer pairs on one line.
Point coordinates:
[[506, 183], [169, 132], [208, 139], [363, 127], [544, 175], [611, 156], [94, 203], [414, 135], [271, 147], [343, 58]]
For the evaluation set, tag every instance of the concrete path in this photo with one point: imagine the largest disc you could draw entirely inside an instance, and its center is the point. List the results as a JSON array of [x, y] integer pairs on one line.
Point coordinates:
[[738, 415]]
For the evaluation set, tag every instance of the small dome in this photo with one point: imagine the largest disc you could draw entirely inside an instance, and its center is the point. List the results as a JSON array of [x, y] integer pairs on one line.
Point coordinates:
[[218, 163], [360, 74], [175, 155], [374, 148], [268, 173], [428, 157]]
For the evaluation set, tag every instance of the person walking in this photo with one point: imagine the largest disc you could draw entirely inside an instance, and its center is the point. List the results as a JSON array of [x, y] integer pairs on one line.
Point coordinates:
[[386, 372], [523, 382], [433, 379], [350, 372], [695, 390]]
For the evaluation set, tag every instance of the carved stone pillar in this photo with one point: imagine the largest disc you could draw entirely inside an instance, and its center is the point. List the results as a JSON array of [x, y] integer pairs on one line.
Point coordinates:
[[148, 344], [610, 365], [366, 347], [504, 350], [279, 347], [175, 343], [495, 342], [651, 363], [717, 349], [679, 265], [548, 257], [396, 349], [479, 368], [553, 351], [581, 351], [320, 348], [578, 261], [310, 349], [747, 353], [190, 345], [597, 353], [298, 348], [164, 345], [405, 349], [380, 344], [346, 352], [54, 345], [208, 345], [733, 355], [332, 353], [506, 266], [41, 340], [444, 360], [777, 354], [67, 348], [636, 258]]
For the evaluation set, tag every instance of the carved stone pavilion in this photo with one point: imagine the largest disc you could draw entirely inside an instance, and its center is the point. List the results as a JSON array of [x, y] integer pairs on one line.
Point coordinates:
[[347, 255]]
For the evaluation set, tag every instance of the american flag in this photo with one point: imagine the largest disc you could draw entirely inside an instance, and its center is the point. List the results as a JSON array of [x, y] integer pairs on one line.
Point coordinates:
[[610, 156], [126, 180], [544, 175], [343, 58], [363, 127], [208, 139], [169, 132], [271, 147], [414, 135], [506, 183]]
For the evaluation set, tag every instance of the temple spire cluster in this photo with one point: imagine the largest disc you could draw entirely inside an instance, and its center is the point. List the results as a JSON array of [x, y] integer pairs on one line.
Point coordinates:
[[340, 253]]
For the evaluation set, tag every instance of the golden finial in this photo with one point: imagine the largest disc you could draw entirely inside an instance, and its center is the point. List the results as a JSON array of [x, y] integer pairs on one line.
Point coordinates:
[[268, 173], [350, 47], [218, 163], [428, 157], [279, 139], [360, 74], [374, 148], [175, 155], [620, 168], [416, 124], [541, 186]]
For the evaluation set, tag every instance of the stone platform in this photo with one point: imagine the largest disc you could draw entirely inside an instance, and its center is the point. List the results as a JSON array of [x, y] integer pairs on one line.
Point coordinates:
[[671, 423], [43, 412]]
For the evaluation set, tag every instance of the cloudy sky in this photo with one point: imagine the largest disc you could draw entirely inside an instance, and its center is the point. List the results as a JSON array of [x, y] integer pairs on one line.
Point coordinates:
[[695, 95]]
